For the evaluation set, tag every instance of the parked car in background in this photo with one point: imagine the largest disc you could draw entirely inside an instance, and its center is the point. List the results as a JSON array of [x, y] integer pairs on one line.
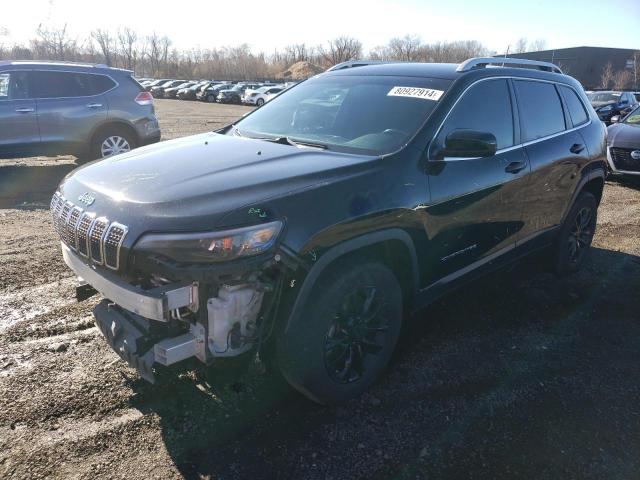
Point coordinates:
[[191, 92], [210, 94], [259, 97], [201, 91], [308, 230], [271, 96], [173, 91], [235, 93], [623, 152], [154, 83], [610, 103], [158, 90], [83, 110]]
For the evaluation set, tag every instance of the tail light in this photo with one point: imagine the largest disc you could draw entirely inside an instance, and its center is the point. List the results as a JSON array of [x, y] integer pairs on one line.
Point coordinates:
[[144, 98]]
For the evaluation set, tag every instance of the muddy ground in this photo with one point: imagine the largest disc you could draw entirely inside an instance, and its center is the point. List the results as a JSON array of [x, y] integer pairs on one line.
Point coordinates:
[[519, 375]]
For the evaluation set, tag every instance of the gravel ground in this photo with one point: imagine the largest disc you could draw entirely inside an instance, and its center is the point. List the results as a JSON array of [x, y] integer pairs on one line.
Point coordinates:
[[519, 375]]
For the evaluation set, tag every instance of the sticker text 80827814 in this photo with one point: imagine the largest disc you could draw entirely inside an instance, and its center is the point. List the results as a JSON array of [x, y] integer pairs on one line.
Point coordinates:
[[416, 92]]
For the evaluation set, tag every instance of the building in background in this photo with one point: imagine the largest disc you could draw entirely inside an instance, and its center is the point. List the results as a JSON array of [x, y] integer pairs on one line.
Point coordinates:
[[594, 67]]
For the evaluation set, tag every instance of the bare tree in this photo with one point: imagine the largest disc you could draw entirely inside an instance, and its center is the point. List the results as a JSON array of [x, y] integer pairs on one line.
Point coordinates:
[[606, 78], [127, 41], [340, 49], [520, 46], [106, 43], [622, 79], [158, 52], [537, 45], [54, 43], [407, 48]]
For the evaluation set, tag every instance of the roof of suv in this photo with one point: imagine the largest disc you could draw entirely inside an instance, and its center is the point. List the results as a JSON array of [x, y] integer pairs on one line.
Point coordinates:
[[74, 66], [445, 71]]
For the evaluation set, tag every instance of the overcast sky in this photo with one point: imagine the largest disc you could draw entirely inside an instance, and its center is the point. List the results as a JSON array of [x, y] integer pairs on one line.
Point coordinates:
[[265, 25]]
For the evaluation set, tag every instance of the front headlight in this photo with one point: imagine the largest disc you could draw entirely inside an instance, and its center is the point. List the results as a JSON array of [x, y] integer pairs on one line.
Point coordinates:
[[212, 246]]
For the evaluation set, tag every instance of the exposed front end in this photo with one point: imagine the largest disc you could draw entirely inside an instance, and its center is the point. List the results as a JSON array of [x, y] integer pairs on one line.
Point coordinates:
[[157, 312]]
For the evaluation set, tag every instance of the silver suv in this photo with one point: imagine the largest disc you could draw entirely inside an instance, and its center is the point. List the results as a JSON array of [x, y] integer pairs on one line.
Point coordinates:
[[91, 111]]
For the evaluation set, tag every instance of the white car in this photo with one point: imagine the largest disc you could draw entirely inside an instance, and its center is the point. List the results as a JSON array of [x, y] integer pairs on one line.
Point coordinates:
[[261, 96]]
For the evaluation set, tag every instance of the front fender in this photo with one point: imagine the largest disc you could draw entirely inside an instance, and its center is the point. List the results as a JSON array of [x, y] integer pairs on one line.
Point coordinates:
[[344, 248]]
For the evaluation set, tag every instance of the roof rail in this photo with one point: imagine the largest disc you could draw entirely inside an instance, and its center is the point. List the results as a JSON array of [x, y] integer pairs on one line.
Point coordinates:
[[482, 62], [354, 63]]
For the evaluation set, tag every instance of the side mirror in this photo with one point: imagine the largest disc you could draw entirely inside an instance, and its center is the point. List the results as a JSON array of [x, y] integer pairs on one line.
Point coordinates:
[[470, 143], [615, 119]]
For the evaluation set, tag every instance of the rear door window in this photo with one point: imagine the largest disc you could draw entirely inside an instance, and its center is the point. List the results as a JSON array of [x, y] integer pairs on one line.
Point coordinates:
[[485, 107], [51, 84], [575, 106], [540, 109]]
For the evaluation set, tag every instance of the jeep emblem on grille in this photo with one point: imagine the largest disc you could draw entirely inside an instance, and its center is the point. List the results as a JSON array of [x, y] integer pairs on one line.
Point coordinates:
[[87, 198], [635, 154]]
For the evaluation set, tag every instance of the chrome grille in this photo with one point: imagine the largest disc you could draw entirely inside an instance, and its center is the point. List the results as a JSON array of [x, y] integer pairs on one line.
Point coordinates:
[[112, 242], [70, 227], [96, 237], [93, 238], [623, 161], [83, 232]]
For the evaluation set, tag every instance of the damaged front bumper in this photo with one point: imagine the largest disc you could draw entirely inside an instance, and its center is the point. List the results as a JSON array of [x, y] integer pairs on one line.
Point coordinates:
[[155, 304], [166, 325]]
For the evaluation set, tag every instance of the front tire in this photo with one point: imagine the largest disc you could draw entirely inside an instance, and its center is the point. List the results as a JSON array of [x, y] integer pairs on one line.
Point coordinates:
[[575, 237], [211, 98], [345, 335], [260, 102]]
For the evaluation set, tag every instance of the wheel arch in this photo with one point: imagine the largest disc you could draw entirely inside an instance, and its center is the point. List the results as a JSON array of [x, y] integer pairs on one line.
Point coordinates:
[[393, 247], [592, 181], [114, 123]]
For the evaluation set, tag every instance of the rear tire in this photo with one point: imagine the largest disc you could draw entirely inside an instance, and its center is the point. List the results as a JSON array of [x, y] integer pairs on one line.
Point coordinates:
[[345, 335], [574, 240], [111, 141]]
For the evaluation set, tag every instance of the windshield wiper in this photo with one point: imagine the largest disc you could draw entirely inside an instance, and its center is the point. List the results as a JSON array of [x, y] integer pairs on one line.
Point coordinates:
[[282, 140], [298, 143]]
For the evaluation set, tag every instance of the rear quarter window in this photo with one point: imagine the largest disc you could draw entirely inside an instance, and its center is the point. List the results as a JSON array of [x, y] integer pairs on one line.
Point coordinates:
[[575, 106], [540, 109], [102, 83]]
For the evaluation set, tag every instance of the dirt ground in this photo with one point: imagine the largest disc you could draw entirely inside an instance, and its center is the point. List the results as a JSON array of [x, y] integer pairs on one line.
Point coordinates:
[[518, 375]]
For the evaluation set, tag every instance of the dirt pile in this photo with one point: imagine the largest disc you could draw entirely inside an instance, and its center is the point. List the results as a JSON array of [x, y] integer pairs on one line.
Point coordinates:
[[301, 71]]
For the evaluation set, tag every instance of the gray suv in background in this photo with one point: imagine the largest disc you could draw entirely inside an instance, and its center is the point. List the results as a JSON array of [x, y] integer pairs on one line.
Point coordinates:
[[91, 111]]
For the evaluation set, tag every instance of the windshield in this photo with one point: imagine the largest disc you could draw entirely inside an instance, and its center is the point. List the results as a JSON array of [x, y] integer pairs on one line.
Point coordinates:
[[372, 114], [633, 118], [603, 96]]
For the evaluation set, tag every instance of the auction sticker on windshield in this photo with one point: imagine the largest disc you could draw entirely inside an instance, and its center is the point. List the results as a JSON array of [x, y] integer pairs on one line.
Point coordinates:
[[416, 92]]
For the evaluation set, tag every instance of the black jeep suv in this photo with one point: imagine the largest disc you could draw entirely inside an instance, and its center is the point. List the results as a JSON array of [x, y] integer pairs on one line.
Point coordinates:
[[308, 229]]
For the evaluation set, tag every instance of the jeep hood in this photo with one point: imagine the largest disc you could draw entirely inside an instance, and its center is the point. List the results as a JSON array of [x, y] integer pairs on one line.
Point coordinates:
[[190, 183]]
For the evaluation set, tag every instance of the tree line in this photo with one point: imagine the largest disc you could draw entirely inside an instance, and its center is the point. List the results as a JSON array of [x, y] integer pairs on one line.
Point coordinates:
[[155, 55]]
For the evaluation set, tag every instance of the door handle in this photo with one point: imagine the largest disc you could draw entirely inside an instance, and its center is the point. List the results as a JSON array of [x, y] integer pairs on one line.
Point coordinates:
[[576, 148], [515, 167], [25, 110], [94, 105]]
